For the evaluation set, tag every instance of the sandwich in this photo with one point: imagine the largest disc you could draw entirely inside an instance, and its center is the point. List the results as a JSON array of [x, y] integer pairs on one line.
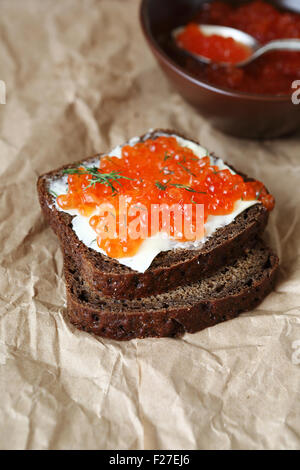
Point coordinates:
[[158, 281]]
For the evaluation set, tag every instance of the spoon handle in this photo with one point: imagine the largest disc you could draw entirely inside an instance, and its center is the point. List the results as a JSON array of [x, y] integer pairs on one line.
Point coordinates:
[[279, 44]]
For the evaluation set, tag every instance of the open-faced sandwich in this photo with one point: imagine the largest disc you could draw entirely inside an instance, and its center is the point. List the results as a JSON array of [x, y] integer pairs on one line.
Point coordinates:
[[159, 238]]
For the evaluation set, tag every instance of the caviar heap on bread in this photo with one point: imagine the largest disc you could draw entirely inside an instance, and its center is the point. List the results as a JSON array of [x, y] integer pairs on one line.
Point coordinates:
[[156, 171], [165, 283]]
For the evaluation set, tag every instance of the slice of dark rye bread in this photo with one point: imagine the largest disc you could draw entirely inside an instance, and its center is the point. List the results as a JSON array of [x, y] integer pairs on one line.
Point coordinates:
[[221, 296], [170, 268]]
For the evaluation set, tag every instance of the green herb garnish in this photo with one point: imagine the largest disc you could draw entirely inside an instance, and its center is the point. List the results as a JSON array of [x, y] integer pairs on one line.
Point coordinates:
[[160, 186], [259, 193], [53, 193], [187, 188], [186, 169], [108, 179], [167, 156]]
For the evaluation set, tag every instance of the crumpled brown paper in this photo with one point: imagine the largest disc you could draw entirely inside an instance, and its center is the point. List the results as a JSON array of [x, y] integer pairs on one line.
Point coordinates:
[[79, 80]]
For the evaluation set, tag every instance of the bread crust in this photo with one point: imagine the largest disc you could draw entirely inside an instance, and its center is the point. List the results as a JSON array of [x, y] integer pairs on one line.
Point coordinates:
[[167, 322], [169, 269]]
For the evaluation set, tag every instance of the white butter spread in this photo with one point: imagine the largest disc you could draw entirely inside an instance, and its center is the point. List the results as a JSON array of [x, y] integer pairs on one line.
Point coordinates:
[[150, 247]]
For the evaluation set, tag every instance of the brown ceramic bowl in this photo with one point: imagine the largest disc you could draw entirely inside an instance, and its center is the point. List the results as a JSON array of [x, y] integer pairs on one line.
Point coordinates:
[[237, 113]]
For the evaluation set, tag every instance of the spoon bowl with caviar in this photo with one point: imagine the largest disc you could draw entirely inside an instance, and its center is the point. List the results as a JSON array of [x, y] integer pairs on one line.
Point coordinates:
[[223, 45], [259, 100]]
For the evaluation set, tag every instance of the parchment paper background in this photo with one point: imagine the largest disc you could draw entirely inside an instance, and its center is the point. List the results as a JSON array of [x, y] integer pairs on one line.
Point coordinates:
[[80, 79]]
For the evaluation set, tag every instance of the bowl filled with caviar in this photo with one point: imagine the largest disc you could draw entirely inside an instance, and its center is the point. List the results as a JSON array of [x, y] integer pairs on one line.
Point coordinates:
[[258, 100]]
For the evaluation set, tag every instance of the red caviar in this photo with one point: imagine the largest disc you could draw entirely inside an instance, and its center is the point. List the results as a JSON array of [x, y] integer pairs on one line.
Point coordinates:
[[272, 73], [214, 47], [155, 172]]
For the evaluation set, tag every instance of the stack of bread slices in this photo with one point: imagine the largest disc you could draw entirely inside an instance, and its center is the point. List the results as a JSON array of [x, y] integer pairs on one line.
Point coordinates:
[[183, 290]]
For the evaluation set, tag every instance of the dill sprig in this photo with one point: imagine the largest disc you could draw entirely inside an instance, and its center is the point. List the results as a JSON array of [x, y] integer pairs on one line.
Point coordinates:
[[187, 188], [186, 169], [259, 194], [160, 186], [167, 156], [163, 187], [53, 193], [108, 179]]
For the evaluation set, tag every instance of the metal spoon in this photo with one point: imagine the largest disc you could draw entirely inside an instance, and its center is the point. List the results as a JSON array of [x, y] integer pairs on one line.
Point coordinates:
[[242, 38]]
